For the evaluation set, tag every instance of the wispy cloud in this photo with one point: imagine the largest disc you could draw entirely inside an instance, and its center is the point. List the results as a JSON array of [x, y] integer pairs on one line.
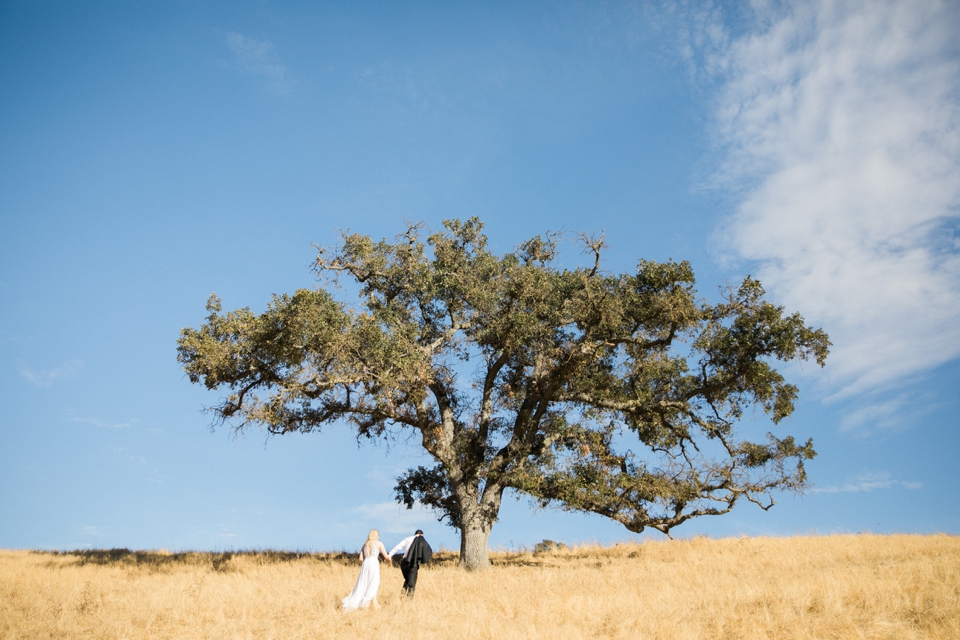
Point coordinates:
[[868, 482], [124, 454], [841, 130], [258, 58], [46, 377], [392, 517], [888, 411], [103, 424]]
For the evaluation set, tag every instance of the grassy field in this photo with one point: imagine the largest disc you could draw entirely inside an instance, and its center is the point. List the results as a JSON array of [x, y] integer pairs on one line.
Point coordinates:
[[856, 586]]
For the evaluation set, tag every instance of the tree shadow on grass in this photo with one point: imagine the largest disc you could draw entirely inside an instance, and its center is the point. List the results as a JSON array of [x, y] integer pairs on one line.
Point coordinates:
[[227, 561], [221, 561]]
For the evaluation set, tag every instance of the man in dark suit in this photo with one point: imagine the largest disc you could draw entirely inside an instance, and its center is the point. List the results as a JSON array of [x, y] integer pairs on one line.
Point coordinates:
[[416, 551]]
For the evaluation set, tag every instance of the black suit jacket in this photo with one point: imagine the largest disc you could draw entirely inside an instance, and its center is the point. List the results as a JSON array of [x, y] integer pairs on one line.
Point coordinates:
[[419, 553]]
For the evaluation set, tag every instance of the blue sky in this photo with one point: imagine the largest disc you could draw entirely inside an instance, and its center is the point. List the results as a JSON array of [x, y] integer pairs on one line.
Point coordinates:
[[153, 153]]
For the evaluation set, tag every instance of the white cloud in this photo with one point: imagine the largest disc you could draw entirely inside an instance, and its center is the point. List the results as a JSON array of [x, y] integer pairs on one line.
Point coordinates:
[[259, 58], [100, 423], [392, 517], [868, 482], [841, 130], [888, 410], [46, 377]]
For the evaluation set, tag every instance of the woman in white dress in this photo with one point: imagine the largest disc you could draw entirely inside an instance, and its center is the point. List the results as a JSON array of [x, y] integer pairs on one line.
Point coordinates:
[[365, 591]]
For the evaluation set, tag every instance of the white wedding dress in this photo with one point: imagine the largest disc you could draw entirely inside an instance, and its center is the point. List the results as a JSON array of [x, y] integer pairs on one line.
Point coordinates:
[[367, 583]]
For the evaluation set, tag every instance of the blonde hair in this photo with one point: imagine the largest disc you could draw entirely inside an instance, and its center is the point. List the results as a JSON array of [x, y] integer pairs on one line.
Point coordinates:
[[374, 534]]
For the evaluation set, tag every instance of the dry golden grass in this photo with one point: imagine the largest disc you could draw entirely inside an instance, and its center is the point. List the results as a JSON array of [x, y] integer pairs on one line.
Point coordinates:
[[862, 586]]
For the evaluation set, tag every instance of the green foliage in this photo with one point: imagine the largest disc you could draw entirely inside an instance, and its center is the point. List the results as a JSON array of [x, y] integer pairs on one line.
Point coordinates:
[[616, 394]]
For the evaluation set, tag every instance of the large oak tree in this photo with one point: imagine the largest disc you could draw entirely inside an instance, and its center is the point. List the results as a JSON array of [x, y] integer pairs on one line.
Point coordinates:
[[615, 394]]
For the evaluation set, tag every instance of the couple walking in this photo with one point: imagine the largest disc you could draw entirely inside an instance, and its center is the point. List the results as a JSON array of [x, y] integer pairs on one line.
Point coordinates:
[[415, 552]]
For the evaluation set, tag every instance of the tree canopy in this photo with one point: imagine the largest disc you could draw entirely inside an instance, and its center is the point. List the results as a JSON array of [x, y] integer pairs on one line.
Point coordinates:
[[615, 394]]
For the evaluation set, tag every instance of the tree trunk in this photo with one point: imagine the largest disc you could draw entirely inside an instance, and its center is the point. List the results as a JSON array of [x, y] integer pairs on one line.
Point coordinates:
[[473, 545], [477, 518]]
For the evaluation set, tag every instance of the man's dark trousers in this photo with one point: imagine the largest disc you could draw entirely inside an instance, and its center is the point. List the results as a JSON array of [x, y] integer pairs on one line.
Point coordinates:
[[409, 572]]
